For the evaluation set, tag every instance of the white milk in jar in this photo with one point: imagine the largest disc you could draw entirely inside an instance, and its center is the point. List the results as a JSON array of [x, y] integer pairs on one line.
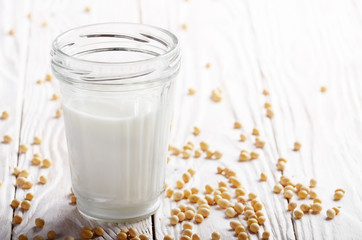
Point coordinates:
[[117, 154]]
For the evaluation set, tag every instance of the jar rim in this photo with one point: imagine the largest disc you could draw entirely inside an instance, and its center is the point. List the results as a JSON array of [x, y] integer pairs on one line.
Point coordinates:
[[174, 46], [69, 66]]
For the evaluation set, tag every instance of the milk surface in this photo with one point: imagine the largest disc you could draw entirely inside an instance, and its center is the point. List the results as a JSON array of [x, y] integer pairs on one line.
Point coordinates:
[[117, 153]]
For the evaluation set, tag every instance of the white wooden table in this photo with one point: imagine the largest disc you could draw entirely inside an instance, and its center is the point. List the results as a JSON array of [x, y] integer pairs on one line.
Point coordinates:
[[290, 48]]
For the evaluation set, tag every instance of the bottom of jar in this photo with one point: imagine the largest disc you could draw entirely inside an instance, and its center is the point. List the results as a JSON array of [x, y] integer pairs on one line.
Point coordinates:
[[120, 215]]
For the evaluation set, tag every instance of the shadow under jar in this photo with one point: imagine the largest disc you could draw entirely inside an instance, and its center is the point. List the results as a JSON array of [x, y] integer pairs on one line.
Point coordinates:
[[116, 82]]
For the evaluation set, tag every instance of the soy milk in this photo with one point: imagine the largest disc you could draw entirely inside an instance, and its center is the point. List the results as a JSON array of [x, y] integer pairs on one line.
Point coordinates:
[[117, 152]]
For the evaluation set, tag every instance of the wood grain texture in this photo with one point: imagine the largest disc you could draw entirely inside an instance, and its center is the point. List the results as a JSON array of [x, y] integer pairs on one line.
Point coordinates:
[[299, 53], [291, 50], [13, 59]]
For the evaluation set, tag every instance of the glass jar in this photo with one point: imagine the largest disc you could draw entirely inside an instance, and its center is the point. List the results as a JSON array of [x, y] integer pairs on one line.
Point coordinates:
[[116, 83]]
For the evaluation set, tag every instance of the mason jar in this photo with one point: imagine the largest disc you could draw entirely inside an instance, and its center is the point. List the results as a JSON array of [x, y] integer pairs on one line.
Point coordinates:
[[116, 84]]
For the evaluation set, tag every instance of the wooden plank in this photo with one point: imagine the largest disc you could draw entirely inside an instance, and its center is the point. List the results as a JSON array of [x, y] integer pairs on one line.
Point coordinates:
[[220, 33], [292, 50], [13, 58], [304, 46], [52, 201]]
